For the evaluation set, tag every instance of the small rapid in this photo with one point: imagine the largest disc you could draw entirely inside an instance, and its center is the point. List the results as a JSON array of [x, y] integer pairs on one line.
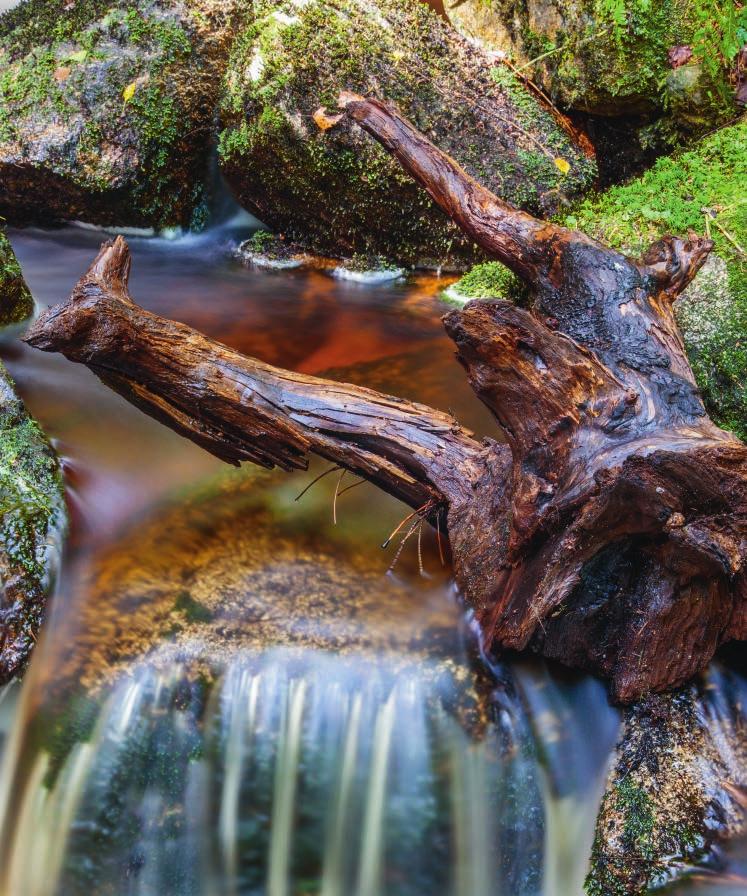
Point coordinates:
[[302, 772]]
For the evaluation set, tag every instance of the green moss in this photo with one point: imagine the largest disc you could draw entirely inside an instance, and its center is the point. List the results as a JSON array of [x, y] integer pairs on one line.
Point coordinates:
[[191, 609], [261, 241], [31, 506], [675, 196], [490, 280], [636, 806], [16, 303]]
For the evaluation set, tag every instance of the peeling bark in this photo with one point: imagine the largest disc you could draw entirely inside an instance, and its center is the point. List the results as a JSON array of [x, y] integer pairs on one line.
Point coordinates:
[[609, 532]]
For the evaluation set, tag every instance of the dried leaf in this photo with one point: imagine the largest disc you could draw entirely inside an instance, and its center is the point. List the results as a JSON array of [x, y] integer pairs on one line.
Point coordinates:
[[61, 73], [562, 166], [324, 121], [680, 55], [129, 91]]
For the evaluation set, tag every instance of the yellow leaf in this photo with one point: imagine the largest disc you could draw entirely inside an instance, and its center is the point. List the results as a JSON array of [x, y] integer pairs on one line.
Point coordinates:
[[562, 166], [324, 121], [129, 91]]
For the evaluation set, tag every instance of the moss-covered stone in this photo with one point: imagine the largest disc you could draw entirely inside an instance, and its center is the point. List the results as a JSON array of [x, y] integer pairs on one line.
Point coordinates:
[[339, 191], [106, 108], [32, 525], [700, 189], [671, 791], [16, 303], [489, 280], [611, 57]]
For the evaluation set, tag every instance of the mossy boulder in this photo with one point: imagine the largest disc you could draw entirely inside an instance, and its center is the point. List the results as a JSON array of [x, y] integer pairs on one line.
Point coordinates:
[[33, 521], [337, 190], [672, 791], [106, 109], [16, 303], [612, 57], [700, 189]]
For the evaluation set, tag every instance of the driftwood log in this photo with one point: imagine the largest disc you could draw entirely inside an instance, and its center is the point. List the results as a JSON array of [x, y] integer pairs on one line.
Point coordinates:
[[608, 530]]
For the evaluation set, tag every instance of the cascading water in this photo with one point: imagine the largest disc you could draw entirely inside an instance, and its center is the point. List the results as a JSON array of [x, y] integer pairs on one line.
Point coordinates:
[[296, 772]]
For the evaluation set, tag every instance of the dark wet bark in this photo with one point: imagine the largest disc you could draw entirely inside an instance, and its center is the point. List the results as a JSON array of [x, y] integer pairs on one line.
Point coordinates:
[[609, 532]]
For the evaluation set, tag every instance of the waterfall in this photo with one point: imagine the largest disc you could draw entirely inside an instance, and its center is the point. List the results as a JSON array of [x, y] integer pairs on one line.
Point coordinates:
[[293, 772]]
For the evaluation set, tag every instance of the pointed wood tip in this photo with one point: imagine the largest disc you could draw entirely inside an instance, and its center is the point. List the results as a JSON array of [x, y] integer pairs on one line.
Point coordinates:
[[111, 267], [674, 261]]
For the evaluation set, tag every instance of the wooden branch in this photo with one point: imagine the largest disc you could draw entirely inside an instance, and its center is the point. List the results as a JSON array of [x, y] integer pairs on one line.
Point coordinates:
[[511, 236], [241, 409]]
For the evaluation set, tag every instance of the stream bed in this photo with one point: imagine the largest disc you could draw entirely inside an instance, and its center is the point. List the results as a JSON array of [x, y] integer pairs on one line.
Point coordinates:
[[234, 693]]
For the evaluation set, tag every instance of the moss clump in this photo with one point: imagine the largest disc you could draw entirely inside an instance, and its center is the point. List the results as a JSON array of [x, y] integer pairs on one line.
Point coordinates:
[[703, 186], [16, 303], [490, 280], [338, 190], [105, 111], [32, 522], [610, 57]]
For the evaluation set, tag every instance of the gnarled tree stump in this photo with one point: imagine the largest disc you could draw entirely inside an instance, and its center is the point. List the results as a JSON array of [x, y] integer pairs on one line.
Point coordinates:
[[608, 532]]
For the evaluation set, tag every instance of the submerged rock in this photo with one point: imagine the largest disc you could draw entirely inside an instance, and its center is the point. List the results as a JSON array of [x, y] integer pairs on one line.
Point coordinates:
[[338, 191], [106, 109], [269, 252], [220, 572], [617, 58], [676, 787], [248, 700], [33, 521], [16, 302]]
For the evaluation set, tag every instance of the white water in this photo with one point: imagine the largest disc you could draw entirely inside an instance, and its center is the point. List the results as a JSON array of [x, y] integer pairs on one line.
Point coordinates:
[[301, 772]]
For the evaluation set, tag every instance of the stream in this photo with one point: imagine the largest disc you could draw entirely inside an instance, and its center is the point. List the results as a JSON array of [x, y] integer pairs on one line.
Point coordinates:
[[235, 693]]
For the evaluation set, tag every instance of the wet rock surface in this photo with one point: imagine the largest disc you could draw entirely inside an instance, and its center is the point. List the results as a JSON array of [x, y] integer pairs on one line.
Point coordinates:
[[220, 573], [676, 787], [32, 525], [336, 190], [16, 302], [106, 109]]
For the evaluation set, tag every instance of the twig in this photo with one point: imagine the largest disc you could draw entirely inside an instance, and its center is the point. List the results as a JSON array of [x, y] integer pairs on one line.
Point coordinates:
[[402, 544], [539, 58], [334, 500], [438, 539], [314, 481], [420, 547], [408, 517]]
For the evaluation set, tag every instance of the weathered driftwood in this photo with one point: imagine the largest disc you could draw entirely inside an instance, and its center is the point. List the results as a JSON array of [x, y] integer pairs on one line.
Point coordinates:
[[609, 531]]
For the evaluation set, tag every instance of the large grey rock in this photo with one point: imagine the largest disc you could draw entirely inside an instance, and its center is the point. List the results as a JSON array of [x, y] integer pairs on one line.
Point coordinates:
[[612, 58], [106, 109]]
